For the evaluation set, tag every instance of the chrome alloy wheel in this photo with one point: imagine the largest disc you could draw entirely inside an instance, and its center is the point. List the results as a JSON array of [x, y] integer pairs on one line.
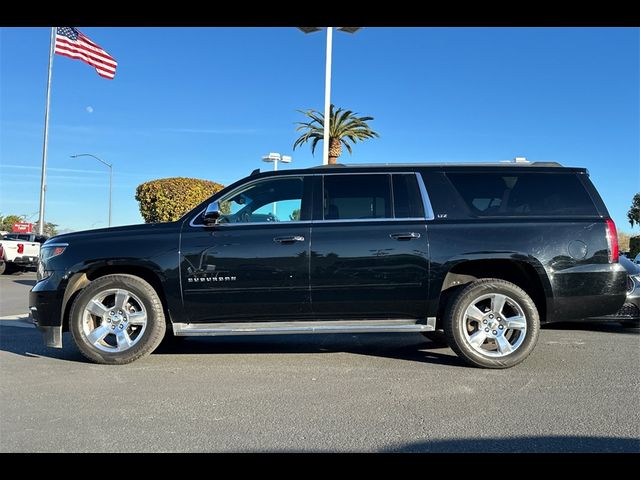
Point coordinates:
[[494, 325], [114, 320]]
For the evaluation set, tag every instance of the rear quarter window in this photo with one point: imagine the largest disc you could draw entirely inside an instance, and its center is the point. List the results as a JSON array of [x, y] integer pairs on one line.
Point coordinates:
[[488, 194]]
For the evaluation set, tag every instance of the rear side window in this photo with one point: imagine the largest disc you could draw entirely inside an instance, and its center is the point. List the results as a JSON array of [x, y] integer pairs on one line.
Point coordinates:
[[349, 197], [522, 193], [407, 201]]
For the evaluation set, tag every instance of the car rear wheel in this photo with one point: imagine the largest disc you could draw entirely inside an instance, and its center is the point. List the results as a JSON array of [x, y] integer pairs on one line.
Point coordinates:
[[492, 323], [117, 319]]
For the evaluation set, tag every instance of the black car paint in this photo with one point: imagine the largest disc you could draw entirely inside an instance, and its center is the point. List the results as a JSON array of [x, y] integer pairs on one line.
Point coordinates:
[[350, 270]]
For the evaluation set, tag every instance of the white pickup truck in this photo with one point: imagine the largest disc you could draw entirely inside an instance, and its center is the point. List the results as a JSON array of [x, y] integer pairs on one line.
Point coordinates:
[[18, 250]]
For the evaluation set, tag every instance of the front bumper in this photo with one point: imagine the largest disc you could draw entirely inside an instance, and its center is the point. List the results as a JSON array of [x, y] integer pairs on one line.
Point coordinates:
[[45, 309]]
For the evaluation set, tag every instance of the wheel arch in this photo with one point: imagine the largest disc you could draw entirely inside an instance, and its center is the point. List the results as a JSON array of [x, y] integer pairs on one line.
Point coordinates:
[[78, 281], [526, 273]]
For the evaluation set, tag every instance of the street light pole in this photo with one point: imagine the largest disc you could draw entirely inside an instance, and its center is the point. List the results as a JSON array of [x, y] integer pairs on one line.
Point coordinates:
[[275, 157], [327, 83], [327, 98], [110, 165]]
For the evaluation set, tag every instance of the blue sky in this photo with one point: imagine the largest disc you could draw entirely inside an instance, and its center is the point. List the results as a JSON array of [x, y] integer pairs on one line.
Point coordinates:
[[209, 102]]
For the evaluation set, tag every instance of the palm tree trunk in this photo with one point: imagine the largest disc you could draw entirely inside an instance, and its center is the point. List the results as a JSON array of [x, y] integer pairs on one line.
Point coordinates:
[[335, 150]]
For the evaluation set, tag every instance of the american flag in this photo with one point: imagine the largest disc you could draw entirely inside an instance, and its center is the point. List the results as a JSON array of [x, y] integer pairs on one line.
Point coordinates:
[[72, 43]]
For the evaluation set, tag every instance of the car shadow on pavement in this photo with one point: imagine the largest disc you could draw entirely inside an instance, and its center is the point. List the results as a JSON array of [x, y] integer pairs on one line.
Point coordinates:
[[27, 342], [592, 326], [410, 347], [542, 444], [29, 283]]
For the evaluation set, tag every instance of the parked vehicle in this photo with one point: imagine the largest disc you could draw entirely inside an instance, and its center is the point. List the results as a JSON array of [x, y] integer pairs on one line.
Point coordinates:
[[485, 252], [20, 250], [27, 237]]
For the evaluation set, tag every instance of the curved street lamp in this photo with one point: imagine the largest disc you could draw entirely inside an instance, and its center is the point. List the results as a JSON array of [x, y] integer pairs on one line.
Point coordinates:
[[110, 165], [327, 82]]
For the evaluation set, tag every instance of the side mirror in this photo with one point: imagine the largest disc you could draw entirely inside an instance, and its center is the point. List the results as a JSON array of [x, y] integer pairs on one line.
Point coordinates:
[[211, 214]]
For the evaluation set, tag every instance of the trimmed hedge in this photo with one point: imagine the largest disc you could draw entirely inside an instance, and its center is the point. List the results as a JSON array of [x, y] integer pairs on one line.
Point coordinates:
[[168, 199]]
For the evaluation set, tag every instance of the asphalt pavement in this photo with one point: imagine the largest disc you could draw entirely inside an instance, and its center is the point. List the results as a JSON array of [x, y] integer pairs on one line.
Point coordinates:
[[579, 391]]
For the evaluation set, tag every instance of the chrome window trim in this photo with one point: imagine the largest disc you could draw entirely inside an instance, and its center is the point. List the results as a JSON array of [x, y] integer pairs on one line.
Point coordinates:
[[348, 220], [428, 210], [426, 201]]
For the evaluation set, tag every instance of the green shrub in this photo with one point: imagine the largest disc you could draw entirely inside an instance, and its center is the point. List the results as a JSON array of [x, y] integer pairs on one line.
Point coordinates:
[[168, 199]]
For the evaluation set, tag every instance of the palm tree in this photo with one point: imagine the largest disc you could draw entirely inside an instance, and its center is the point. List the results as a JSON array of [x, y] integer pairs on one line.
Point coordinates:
[[344, 126]]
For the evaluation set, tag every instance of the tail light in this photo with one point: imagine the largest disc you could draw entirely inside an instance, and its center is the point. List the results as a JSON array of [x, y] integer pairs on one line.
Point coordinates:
[[1, 252], [612, 241], [21, 248]]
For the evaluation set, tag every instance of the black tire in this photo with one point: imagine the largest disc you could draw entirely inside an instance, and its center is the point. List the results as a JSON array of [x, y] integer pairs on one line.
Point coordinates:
[[456, 326], [3, 267], [9, 268], [438, 337], [149, 338]]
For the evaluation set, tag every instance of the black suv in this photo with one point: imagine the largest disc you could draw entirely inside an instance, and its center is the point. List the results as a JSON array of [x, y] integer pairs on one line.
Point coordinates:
[[485, 252]]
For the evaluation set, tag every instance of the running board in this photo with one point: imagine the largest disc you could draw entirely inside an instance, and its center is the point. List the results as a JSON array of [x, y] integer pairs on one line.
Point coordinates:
[[280, 328]]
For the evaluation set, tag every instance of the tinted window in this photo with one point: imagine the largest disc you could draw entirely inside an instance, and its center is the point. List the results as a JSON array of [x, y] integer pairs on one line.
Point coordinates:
[[276, 200], [356, 197], [17, 236], [407, 202], [518, 193]]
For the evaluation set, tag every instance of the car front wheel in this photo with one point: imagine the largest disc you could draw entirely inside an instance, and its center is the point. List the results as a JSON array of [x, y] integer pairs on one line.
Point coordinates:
[[117, 319], [492, 323]]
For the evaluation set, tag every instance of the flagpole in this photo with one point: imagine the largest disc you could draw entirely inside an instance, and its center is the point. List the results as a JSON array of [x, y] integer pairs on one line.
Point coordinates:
[[43, 180]]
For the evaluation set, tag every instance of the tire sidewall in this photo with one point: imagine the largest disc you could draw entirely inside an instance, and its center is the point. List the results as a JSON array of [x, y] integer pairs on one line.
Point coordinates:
[[154, 330], [454, 323]]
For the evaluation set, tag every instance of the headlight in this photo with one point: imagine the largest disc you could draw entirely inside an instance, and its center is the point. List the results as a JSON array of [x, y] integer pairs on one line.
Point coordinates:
[[632, 281], [48, 251], [52, 250]]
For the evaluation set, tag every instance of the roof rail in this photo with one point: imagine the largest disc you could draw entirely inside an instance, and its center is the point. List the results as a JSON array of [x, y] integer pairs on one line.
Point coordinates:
[[547, 164], [330, 165]]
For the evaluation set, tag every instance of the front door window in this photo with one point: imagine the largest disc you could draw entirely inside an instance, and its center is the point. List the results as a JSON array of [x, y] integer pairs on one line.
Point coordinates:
[[273, 200]]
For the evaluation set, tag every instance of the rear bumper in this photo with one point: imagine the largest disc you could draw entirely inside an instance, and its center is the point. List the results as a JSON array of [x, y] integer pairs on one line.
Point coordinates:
[[587, 291], [26, 261], [630, 310]]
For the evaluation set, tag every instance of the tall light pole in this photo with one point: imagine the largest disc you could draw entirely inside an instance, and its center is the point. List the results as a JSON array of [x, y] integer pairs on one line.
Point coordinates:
[[327, 83], [110, 165], [275, 158]]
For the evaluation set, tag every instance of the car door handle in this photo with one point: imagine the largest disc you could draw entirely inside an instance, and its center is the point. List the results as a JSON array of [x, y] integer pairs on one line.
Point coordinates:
[[405, 236], [294, 238]]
